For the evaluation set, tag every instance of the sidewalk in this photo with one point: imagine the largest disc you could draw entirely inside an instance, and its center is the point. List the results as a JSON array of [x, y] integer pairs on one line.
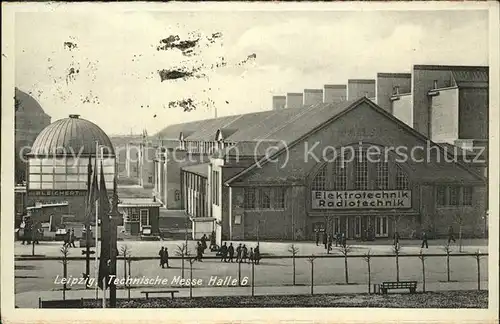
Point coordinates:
[[30, 299]]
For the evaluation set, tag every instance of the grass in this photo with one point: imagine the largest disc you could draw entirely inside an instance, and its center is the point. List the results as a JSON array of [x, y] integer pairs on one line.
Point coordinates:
[[448, 299]]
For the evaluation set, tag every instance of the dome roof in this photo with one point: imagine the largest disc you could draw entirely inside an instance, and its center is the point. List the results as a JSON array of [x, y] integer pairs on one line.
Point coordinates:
[[73, 136]]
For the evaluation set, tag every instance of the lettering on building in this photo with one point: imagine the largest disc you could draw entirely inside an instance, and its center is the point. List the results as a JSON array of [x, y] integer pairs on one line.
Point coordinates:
[[53, 193], [369, 199]]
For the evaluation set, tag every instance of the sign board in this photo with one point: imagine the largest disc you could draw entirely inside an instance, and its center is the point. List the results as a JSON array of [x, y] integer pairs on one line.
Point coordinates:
[[366, 199], [52, 193]]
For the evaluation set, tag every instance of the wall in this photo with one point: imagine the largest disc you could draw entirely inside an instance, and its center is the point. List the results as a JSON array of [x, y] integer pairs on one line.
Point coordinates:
[[76, 206], [147, 167], [385, 87], [474, 104], [334, 93], [279, 102], [422, 82], [360, 88], [313, 96], [294, 100], [444, 116], [402, 109]]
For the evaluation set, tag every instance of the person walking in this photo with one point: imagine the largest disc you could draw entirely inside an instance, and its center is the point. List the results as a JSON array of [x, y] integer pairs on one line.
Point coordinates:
[[238, 253], [424, 240], [165, 257], [230, 251], [256, 254], [204, 242], [330, 242], [251, 256], [67, 239], [162, 257], [223, 252], [317, 236], [213, 246], [72, 238], [325, 240], [244, 253], [451, 235]]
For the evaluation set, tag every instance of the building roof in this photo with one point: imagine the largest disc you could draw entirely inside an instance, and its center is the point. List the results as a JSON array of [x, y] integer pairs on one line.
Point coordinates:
[[463, 77], [27, 104], [199, 169], [71, 135]]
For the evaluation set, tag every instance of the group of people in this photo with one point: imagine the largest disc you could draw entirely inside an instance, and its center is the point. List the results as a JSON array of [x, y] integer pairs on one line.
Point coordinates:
[[328, 239], [69, 238], [227, 253], [163, 257], [201, 246]]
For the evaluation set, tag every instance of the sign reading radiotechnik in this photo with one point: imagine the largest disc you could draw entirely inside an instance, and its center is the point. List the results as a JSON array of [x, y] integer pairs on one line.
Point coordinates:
[[366, 199]]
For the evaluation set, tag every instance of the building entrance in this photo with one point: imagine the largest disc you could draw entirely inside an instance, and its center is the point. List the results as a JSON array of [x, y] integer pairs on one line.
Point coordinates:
[[381, 226]]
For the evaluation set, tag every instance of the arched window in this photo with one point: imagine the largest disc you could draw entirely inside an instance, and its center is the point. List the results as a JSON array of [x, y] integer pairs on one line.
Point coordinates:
[[339, 175], [361, 170], [382, 175], [401, 179], [319, 182]]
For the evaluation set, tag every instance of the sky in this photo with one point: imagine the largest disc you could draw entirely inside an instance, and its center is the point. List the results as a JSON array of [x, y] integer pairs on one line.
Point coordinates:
[[111, 76]]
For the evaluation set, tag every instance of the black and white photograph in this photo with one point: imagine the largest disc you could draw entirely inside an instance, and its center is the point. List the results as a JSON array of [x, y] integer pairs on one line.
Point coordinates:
[[251, 156]]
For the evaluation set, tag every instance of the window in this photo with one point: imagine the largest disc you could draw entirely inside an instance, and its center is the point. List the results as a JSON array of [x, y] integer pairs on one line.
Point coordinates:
[[340, 175], [279, 198], [265, 198], [401, 180], [467, 196], [144, 216], [454, 196], [134, 215], [361, 181], [319, 182], [441, 196], [249, 202], [215, 187], [150, 179], [382, 175]]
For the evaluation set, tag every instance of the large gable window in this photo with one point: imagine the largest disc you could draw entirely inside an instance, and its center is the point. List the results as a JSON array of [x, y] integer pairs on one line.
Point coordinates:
[[361, 171], [339, 175], [382, 175], [250, 198], [319, 182], [401, 179]]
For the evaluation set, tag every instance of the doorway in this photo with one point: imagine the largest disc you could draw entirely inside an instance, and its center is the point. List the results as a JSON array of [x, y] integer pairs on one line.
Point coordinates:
[[357, 227], [381, 226]]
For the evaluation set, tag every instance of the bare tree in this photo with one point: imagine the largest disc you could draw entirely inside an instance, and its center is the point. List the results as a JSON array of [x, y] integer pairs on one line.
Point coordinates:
[[182, 251], [293, 250], [191, 261], [396, 249], [65, 252], [368, 258], [447, 249], [311, 260], [422, 258], [459, 219], [345, 250], [477, 256], [126, 252]]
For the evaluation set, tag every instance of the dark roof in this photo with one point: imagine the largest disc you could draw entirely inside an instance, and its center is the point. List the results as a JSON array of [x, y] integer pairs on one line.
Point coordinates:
[[462, 77], [27, 104], [335, 86], [199, 169], [393, 75], [361, 81], [447, 67], [71, 135]]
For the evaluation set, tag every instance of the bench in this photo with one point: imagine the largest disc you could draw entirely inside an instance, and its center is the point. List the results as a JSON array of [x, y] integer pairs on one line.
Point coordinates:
[[386, 285], [148, 292]]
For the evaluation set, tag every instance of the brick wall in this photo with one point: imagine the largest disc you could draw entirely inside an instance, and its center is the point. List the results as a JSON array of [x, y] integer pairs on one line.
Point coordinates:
[[359, 88]]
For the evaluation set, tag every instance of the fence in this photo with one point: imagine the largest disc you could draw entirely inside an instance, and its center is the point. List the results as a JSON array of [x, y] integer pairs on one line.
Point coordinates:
[[357, 271]]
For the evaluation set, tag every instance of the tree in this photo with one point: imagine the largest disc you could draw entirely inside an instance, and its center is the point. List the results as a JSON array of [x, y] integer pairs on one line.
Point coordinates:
[[396, 249], [459, 219], [294, 250], [182, 251], [477, 256], [191, 261], [422, 258], [367, 258], [447, 249], [125, 251], [65, 252], [311, 260], [345, 250]]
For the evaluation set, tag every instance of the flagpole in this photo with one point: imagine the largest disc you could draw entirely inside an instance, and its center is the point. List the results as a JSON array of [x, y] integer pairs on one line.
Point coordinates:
[[104, 292], [101, 175], [96, 228]]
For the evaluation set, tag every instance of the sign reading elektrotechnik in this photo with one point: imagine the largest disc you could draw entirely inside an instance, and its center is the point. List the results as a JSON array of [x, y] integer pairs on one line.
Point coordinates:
[[366, 199]]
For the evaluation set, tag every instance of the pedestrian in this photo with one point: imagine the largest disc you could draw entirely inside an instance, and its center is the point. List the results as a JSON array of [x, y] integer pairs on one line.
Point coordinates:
[[451, 235], [256, 254], [165, 257], [223, 253], [230, 251], [238, 253], [244, 253], [213, 246], [325, 240], [199, 252], [67, 239], [396, 240], [317, 236], [162, 257], [251, 256], [330, 242], [204, 242], [72, 238], [424, 240], [337, 239]]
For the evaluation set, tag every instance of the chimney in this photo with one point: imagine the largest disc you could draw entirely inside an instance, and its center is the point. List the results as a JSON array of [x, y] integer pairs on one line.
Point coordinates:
[[279, 102], [435, 84], [334, 93], [313, 96], [396, 90], [359, 88], [294, 100]]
